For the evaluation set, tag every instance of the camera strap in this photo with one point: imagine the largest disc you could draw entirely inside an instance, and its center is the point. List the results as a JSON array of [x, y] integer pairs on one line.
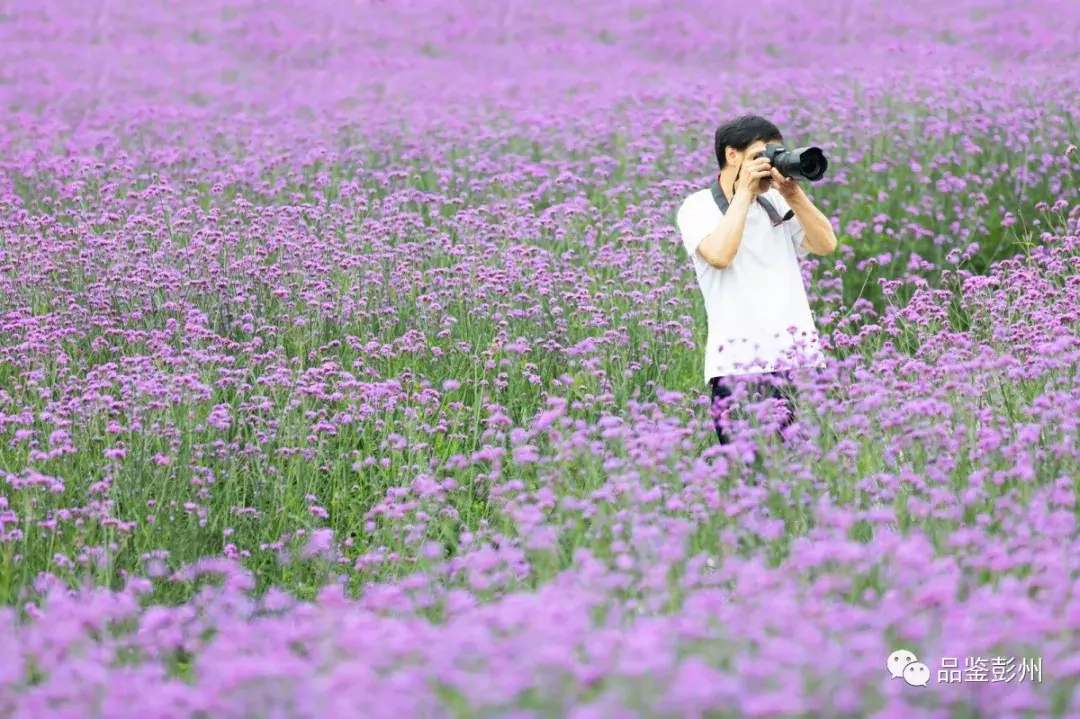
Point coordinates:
[[722, 202]]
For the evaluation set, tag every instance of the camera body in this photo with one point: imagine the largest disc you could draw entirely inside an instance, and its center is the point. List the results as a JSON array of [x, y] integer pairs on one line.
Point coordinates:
[[804, 163]]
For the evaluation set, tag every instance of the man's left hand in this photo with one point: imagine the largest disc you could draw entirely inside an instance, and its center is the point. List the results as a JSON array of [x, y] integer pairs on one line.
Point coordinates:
[[788, 187]]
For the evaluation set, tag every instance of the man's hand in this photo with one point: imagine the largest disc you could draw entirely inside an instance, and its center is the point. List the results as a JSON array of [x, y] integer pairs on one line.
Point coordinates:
[[788, 187], [751, 174]]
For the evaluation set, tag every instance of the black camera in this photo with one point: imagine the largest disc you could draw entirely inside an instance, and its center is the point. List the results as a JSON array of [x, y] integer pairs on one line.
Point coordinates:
[[805, 163]]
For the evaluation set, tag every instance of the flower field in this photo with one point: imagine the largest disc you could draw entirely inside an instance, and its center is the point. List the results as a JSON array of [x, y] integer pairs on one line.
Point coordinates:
[[350, 363]]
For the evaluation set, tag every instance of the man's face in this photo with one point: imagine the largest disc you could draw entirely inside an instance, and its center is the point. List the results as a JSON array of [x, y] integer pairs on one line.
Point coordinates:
[[736, 158]]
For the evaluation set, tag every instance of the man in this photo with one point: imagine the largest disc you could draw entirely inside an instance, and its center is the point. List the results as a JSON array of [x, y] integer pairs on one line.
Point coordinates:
[[746, 234]]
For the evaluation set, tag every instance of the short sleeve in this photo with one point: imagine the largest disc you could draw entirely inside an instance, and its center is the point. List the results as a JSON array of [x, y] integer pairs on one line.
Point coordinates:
[[694, 226], [792, 228]]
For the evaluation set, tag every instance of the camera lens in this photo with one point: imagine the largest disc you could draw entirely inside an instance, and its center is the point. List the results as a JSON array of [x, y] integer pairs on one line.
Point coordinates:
[[812, 164]]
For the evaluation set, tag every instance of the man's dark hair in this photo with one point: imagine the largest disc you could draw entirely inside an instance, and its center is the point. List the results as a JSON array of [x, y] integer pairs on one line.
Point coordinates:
[[741, 133]]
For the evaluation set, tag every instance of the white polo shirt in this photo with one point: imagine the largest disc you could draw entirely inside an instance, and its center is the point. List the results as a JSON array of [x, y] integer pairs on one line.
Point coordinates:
[[758, 315]]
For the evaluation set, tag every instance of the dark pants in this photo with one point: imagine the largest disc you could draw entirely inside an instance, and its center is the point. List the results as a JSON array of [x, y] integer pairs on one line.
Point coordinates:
[[773, 385]]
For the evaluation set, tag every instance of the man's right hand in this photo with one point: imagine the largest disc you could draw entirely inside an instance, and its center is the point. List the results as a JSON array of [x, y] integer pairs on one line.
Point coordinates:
[[751, 174]]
